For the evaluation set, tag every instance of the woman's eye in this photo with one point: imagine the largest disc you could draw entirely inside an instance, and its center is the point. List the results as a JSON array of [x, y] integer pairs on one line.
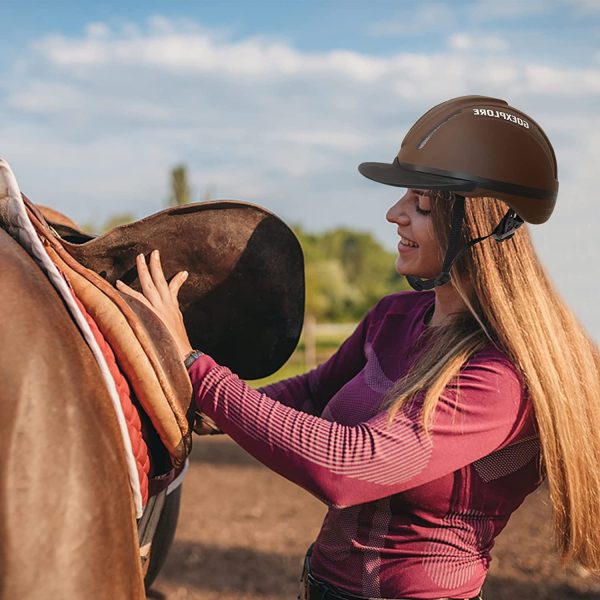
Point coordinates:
[[421, 196]]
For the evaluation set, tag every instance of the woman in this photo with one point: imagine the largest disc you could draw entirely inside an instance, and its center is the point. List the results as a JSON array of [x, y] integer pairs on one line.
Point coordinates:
[[448, 405]]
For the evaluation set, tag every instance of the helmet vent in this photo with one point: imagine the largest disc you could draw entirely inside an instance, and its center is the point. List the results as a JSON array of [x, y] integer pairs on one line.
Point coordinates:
[[424, 141]]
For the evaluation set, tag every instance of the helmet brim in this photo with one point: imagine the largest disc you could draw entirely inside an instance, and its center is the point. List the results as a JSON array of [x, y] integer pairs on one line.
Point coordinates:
[[399, 176]]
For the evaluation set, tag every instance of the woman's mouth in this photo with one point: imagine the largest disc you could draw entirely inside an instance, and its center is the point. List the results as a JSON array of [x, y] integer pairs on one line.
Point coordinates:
[[406, 243]]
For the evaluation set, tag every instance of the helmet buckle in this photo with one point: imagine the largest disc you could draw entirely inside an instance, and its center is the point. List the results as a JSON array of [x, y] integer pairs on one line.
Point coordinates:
[[507, 227], [442, 279]]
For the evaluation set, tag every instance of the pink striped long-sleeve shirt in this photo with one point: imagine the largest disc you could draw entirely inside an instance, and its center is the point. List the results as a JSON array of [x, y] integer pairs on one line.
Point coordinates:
[[411, 514]]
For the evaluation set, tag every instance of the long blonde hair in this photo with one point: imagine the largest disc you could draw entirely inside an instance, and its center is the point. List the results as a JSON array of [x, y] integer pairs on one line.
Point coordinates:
[[512, 303]]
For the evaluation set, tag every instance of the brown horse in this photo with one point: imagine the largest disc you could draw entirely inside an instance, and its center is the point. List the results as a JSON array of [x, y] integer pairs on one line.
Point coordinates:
[[68, 526]]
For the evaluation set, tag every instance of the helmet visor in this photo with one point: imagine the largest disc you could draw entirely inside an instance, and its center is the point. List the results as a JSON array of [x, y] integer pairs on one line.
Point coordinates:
[[403, 176]]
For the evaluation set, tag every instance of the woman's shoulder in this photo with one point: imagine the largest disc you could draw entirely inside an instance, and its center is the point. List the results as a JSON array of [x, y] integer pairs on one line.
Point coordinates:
[[491, 352], [492, 388], [494, 364]]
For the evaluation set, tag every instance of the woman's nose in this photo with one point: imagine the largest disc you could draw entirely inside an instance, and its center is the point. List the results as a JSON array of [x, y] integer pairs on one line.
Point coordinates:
[[397, 213]]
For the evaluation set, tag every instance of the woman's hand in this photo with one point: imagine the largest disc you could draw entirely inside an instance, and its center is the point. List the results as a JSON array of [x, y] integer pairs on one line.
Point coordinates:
[[161, 297]]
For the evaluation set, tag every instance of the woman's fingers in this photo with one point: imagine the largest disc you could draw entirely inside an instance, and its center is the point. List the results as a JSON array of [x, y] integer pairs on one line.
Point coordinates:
[[161, 297], [146, 281], [158, 276], [176, 283], [154, 285], [123, 287]]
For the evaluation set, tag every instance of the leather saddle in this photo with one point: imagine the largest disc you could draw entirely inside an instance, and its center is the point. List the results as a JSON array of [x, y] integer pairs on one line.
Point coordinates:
[[244, 301]]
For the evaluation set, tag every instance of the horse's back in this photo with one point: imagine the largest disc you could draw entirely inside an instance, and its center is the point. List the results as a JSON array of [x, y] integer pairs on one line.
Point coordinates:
[[67, 528]]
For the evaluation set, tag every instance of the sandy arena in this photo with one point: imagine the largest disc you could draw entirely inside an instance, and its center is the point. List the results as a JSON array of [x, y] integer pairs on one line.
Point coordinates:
[[243, 531]]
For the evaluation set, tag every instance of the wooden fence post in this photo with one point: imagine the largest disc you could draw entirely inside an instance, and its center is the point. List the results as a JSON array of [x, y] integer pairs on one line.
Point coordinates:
[[310, 342]]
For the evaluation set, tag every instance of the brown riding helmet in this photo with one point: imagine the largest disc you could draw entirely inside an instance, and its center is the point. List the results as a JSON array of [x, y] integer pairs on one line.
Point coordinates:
[[477, 146]]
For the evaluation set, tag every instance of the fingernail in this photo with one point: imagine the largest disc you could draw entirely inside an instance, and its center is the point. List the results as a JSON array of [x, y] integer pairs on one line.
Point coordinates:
[[118, 282], [155, 253]]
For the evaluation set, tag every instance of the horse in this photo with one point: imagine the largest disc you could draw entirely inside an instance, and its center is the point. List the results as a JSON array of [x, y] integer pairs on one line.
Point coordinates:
[[68, 526]]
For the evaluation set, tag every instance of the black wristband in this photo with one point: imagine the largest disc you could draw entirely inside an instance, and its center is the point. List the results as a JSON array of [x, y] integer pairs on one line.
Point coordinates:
[[191, 358]]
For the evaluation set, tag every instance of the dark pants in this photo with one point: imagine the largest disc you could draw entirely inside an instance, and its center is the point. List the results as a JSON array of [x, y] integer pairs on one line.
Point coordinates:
[[313, 589]]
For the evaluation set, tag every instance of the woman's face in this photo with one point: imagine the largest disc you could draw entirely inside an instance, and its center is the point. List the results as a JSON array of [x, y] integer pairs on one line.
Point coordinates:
[[418, 250]]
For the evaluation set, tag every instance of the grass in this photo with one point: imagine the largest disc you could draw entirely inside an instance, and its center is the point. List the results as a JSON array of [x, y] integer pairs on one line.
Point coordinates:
[[292, 367]]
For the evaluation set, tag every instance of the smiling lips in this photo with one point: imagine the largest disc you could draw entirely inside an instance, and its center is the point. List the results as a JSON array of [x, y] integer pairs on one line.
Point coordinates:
[[409, 243]]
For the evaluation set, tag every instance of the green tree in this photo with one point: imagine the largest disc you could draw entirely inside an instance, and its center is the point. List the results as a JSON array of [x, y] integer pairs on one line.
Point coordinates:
[[329, 294], [369, 268], [347, 271], [180, 189]]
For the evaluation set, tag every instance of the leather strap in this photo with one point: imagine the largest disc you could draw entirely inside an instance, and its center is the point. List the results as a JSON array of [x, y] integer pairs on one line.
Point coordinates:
[[148, 523]]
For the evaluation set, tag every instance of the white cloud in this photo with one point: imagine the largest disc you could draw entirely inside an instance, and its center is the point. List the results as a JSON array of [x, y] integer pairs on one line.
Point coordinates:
[[466, 41], [197, 51], [94, 123], [97, 29], [563, 82]]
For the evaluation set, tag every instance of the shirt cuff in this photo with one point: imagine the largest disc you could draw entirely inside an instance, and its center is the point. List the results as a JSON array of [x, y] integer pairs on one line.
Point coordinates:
[[197, 371], [200, 367]]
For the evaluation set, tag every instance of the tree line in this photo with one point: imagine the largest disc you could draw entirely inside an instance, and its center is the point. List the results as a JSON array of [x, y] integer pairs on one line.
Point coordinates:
[[347, 271]]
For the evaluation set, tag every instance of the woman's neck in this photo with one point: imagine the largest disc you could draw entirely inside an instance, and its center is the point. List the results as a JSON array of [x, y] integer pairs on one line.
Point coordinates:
[[447, 303]]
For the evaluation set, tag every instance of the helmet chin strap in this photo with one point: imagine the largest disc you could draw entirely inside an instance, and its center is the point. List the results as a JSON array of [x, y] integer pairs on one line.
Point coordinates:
[[503, 231]]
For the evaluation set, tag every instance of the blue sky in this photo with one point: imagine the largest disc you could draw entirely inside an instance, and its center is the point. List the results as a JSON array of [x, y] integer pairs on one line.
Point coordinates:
[[563, 30], [566, 30], [277, 102]]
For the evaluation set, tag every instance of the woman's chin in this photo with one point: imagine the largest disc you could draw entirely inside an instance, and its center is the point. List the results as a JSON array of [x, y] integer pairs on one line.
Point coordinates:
[[404, 270]]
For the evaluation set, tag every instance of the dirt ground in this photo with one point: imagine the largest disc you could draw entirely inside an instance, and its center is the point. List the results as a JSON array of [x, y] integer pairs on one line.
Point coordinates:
[[243, 531]]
